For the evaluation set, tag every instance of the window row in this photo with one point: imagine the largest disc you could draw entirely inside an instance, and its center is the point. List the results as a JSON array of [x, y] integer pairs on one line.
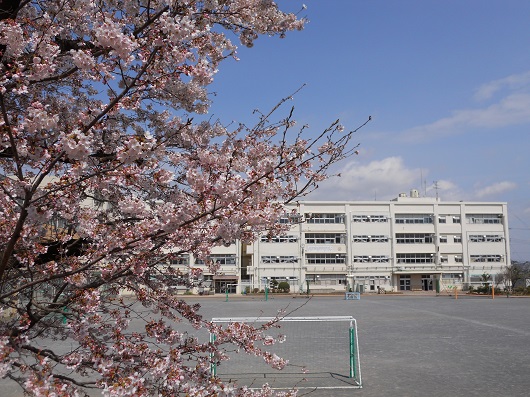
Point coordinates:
[[219, 259], [180, 260], [370, 218], [326, 279], [426, 218], [452, 275], [326, 259], [291, 218], [401, 238], [325, 238], [371, 259], [316, 218], [279, 239], [324, 218], [492, 238], [484, 218], [425, 238], [370, 239], [414, 238], [414, 218], [485, 258], [279, 259], [415, 258]]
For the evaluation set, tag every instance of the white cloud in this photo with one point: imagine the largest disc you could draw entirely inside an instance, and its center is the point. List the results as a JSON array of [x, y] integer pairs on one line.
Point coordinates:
[[511, 110], [496, 188], [381, 179], [515, 81]]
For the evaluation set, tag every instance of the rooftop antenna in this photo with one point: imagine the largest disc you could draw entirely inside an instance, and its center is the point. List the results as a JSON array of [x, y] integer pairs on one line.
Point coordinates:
[[423, 183], [435, 183]]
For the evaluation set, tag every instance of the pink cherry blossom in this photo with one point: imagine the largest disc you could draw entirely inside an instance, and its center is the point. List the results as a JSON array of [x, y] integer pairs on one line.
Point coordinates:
[[105, 177]]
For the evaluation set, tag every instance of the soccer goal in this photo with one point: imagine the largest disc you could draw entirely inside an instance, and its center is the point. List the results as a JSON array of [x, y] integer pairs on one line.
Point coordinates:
[[322, 353]]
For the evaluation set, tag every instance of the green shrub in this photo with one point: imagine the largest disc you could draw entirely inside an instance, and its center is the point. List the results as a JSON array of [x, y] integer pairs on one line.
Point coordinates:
[[255, 290], [483, 289], [284, 286]]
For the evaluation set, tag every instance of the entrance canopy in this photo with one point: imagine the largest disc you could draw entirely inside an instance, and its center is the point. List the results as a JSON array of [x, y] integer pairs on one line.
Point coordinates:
[[225, 278]]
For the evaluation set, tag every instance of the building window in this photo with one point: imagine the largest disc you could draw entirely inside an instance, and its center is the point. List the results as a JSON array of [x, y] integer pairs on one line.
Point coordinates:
[[279, 239], [492, 238], [415, 258], [279, 259], [456, 219], [370, 239], [331, 279], [485, 258], [292, 217], [443, 259], [370, 218], [459, 259], [443, 239], [325, 238], [414, 218], [219, 259], [455, 276], [484, 218], [371, 259], [457, 239], [325, 259], [442, 219], [361, 258], [180, 260], [325, 218], [414, 238]]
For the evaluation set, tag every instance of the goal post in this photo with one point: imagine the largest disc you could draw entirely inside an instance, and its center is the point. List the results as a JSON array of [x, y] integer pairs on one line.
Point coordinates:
[[322, 353]]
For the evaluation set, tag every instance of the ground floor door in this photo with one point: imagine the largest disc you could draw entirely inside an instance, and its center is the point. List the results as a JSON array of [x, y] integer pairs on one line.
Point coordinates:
[[224, 286], [426, 283], [404, 283]]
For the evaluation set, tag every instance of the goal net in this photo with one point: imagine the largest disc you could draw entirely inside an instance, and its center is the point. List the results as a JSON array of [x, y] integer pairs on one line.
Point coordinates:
[[322, 353]]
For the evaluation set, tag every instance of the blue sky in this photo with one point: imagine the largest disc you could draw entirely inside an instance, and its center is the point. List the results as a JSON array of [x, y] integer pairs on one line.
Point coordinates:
[[447, 84]]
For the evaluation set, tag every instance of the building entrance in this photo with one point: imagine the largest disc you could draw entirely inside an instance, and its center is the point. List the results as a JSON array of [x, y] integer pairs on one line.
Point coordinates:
[[221, 287], [223, 284], [404, 283], [426, 283]]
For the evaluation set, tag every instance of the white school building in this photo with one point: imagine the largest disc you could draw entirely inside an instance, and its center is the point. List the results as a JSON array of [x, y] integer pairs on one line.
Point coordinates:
[[410, 243]]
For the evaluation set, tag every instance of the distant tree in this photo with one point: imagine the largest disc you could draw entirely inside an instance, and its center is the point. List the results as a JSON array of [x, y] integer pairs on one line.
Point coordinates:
[[485, 278], [105, 176], [514, 272]]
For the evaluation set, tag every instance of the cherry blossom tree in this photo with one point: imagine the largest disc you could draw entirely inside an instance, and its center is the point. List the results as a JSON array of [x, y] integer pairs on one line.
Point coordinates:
[[105, 175]]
